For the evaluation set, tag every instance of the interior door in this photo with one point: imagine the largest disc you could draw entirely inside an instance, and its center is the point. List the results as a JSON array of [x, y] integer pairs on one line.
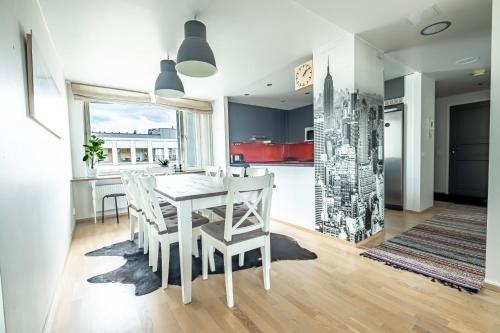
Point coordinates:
[[469, 149]]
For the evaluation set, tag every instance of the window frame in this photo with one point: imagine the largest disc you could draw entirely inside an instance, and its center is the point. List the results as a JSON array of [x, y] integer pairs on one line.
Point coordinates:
[[180, 147]]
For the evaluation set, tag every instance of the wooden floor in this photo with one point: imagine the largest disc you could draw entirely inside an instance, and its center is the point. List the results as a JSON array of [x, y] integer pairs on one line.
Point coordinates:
[[338, 292]]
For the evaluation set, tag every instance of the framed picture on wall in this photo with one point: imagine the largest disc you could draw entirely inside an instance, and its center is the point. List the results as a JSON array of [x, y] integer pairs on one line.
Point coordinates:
[[46, 103]]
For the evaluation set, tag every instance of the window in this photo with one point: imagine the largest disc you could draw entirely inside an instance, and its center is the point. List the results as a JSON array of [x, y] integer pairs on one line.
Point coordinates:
[[141, 155], [124, 155], [109, 156], [172, 154], [139, 135], [158, 154], [135, 134], [197, 140]]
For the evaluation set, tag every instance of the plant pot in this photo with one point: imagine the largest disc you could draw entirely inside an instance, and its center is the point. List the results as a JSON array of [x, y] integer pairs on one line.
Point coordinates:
[[91, 172]]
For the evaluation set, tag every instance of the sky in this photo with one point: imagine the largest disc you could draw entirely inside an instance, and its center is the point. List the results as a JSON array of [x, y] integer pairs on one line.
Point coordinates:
[[122, 118]]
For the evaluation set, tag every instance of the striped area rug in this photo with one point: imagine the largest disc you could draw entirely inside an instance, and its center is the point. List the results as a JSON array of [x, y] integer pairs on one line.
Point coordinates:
[[449, 247]]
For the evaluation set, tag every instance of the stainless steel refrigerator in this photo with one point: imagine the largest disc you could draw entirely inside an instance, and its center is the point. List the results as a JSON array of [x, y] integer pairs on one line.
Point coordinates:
[[393, 156]]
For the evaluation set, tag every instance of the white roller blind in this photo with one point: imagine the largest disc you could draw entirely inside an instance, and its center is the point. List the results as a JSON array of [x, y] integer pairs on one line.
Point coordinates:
[[185, 104], [91, 93], [94, 93]]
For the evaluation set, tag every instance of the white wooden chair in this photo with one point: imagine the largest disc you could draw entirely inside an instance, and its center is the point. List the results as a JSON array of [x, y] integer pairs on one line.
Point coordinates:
[[234, 236], [164, 228], [213, 171], [256, 172], [133, 198], [237, 171]]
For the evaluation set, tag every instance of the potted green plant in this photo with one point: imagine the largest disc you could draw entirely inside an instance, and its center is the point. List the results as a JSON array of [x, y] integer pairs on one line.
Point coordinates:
[[165, 163], [93, 154]]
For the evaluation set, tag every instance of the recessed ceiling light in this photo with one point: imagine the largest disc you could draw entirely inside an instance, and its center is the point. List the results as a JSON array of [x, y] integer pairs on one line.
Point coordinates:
[[269, 84], [435, 28], [307, 93], [283, 100], [247, 94], [479, 72], [467, 61]]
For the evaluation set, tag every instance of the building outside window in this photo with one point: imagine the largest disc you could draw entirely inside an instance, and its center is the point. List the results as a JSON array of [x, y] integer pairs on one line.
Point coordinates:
[[158, 154], [124, 155], [141, 155], [139, 135], [109, 156], [172, 154]]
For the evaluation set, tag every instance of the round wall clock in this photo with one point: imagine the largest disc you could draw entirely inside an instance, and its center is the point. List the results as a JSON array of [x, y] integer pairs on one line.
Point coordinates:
[[304, 75]]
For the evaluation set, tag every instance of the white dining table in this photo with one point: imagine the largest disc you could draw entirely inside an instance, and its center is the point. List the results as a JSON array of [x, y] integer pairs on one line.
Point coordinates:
[[189, 193]]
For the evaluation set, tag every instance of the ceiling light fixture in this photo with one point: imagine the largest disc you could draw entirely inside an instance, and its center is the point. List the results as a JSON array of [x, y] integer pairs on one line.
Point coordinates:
[[308, 92], [269, 84], [247, 94], [168, 84], [435, 28], [467, 61], [479, 72], [195, 57]]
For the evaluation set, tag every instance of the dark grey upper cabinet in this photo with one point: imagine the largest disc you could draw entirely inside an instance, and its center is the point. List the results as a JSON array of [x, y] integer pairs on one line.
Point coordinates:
[[394, 88]]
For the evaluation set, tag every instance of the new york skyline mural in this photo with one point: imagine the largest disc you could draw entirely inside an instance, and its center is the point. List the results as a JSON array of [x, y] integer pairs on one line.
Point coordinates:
[[349, 175]]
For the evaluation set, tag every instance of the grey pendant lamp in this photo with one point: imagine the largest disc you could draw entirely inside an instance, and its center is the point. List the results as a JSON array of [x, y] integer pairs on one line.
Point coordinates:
[[168, 84], [195, 57]]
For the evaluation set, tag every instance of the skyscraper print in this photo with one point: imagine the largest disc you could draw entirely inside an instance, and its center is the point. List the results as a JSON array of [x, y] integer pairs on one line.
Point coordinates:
[[349, 184]]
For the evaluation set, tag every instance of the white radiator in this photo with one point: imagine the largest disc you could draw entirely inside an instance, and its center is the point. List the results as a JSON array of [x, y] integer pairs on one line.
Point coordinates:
[[109, 203]]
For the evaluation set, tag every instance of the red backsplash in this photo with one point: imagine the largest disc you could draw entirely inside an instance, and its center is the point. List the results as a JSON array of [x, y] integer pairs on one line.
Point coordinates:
[[259, 151]]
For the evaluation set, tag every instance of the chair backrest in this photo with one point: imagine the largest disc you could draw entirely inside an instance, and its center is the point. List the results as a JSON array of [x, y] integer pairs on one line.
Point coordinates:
[[256, 194], [213, 171], [237, 171], [152, 209], [125, 177], [256, 172]]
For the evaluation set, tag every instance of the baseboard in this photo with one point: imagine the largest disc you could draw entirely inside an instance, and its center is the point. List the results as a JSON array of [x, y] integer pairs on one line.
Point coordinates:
[[91, 219], [492, 286], [316, 233], [460, 199], [49, 319]]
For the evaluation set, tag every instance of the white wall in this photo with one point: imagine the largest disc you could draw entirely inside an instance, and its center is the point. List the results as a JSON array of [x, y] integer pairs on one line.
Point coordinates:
[[36, 222], [419, 145], [493, 235], [427, 143], [220, 135], [2, 317], [442, 141], [293, 197]]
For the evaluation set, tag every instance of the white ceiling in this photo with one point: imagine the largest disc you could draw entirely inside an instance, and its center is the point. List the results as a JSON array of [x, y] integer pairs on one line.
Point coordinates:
[[281, 95], [387, 27], [119, 43]]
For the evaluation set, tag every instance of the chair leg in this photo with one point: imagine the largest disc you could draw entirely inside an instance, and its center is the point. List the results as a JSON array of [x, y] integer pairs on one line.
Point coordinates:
[[204, 257], [266, 262], [116, 210], [141, 232], [165, 263], [241, 259], [102, 210], [155, 250], [147, 238], [131, 223], [211, 258], [196, 252], [228, 274]]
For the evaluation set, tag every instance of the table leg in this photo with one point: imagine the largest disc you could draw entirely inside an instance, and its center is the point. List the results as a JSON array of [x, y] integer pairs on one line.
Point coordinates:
[[184, 211], [94, 198]]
